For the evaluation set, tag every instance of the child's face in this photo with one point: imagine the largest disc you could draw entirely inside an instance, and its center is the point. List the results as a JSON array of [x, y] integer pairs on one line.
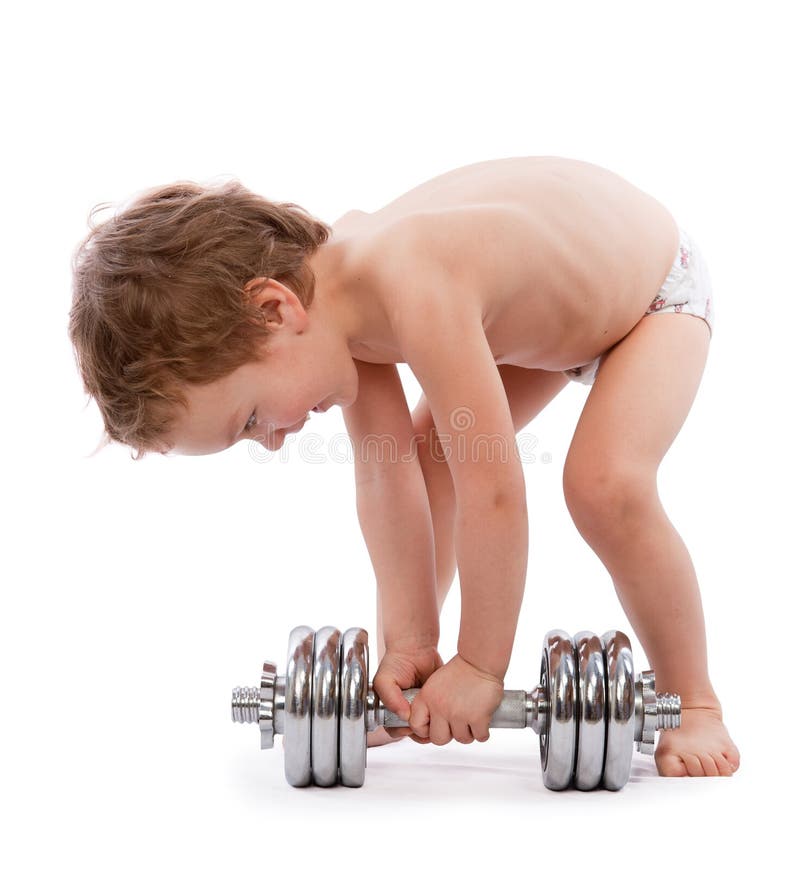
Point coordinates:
[[308, 366]]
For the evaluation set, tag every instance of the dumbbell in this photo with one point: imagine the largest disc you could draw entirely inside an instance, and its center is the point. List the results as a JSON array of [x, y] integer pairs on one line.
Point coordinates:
[[588, 708]]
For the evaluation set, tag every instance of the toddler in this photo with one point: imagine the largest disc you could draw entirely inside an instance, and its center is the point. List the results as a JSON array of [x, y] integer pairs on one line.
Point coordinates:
[[204, 315]]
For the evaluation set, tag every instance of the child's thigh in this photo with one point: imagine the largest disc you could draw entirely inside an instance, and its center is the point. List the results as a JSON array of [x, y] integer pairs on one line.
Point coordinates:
[[528, 390]]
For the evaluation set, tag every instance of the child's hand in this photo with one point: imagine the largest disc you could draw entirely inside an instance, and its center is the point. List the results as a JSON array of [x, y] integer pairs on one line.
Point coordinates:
[[456, 702], [401, 668]]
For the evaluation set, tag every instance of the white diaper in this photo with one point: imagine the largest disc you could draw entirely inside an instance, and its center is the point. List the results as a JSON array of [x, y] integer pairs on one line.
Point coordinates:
[[686, 290]]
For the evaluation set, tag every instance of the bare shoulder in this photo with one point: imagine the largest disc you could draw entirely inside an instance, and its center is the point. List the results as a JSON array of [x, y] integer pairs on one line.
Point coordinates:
[[417, 266], [439, 332]]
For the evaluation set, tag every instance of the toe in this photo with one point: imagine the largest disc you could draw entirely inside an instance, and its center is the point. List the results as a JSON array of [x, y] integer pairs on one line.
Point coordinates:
[[722, 764], [732, 756], [693, 765], [670, 765], [709, 765]]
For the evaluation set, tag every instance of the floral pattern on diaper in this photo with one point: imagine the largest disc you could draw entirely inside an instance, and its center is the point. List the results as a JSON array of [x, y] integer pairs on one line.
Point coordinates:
[[658, 303], [673, 285]]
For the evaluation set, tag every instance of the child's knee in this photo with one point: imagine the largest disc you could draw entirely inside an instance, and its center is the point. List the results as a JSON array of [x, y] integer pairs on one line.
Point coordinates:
[[607, 499]]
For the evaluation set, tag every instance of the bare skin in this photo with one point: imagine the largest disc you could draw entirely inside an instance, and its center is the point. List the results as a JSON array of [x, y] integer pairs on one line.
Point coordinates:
[[702, 746], [559, 260]]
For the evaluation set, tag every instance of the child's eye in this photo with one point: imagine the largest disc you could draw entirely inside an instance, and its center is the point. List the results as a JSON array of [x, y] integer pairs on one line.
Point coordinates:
[[250, 422]]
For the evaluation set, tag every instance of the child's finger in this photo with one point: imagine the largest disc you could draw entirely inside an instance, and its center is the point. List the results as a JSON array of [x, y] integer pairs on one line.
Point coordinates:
[[391, 696], [439, 731], [418, 721]]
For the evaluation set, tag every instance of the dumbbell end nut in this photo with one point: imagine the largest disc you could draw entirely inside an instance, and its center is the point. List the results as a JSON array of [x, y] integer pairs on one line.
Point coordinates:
[[257, 705], [654, 712]]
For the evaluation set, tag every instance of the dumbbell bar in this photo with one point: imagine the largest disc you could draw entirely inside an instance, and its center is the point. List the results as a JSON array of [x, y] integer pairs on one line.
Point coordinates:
[[588, 709]]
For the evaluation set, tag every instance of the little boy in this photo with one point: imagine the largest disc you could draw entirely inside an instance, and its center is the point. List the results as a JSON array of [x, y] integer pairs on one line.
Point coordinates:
[[205, 315]]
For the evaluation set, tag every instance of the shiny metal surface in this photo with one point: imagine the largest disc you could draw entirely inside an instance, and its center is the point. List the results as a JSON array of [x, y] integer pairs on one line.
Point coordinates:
[[653, 712], [668, 710], [277, 711], [537, 709], [557, 740], [511, 713], [353, 702], [297, 707], [325, 707], [644, 732], [266, 706], [257, 705], [591, 692], [244, 705], [620, 716]]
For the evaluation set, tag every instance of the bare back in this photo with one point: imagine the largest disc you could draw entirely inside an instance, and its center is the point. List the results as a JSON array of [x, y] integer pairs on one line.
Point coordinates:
[[564, 256]]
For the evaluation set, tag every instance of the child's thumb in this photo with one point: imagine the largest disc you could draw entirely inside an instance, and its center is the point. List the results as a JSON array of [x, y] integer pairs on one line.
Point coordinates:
[[392, 696]]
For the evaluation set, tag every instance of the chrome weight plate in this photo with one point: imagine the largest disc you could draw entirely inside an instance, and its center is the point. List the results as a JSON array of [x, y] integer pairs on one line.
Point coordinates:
[[591, 716], [353, 703], [297, 707], [557, 739], [620, 709], [325, 707]]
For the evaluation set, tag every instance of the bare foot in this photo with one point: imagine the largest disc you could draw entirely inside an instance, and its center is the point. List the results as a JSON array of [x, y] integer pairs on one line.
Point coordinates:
[[374, 737], [381, 737], [700, 746]]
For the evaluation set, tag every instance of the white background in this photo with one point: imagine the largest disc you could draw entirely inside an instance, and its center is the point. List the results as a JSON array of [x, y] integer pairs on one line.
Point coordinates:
[[136, 595]]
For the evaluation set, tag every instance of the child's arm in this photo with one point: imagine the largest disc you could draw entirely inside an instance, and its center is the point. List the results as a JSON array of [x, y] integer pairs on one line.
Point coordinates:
[[394, 515], [395, 519], [393, 509], [450, 356]]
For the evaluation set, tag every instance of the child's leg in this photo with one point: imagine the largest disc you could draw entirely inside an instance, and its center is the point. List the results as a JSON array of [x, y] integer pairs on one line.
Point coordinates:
[[644, 389]]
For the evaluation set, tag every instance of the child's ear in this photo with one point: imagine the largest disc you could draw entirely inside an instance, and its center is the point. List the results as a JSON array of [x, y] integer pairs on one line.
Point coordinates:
[[268, 294], [255, 289], [265, 294]]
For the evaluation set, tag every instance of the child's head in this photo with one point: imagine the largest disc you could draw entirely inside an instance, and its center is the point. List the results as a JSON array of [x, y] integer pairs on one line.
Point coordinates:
[[162, 297]]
